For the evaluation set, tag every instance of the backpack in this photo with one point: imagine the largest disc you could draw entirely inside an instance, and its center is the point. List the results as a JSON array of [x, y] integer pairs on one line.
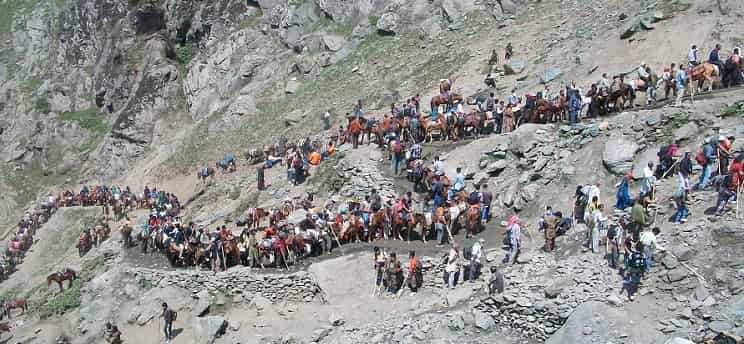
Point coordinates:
[[418, 171], [474, 197], [637, 261], [611, 233], [507, 237], [663, 152], [467, 252], [700, 158], [397, 148]]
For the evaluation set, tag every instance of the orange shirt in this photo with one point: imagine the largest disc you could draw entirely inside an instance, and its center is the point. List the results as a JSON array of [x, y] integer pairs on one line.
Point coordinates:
[[315, 158], [355, 127], [413, 264]]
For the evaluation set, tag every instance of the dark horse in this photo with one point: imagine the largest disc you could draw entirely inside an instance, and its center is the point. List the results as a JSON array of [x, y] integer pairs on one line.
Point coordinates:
[[60, 276], [10, 305]]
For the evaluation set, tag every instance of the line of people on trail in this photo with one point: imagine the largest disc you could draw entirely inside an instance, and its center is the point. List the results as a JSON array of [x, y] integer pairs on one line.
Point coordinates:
[[632, 235], [113, 199]]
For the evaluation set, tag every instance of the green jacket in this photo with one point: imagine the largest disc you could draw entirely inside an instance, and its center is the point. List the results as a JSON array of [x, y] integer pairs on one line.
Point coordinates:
[[638, 214]]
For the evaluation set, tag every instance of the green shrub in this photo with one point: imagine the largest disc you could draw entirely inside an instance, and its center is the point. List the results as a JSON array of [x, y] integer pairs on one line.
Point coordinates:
[[41, 105]]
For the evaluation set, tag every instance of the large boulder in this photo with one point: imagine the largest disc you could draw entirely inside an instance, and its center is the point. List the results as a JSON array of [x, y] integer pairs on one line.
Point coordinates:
[[388, 23], [332, 42], [642, 160], [525, 138], [515, 66], [455, 9], [510, 7], [207, 329], [603, 322], [483, 320], [618, 154]]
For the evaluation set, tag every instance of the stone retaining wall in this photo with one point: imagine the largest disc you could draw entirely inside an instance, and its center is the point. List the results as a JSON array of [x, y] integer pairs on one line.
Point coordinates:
[[298, 286]]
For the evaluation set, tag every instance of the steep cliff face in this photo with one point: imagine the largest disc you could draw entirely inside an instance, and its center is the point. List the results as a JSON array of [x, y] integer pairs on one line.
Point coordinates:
[[90, 88]]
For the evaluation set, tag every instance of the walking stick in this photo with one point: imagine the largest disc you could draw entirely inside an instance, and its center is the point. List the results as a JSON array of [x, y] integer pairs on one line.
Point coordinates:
[[284, 259], [224, 261], [402, 287], [738, 193], [335, 237], [670, 168]]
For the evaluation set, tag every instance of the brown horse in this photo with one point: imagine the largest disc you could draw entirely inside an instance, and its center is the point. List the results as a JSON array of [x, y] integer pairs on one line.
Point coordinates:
[[440, 100], [100, 233], [377, 223], [416, 220], [440, 126], [84, 243], [231, 251], [198, 257], [60, 276], [9, 305], [544, 111], [399, 224], [472, 222], [702, 73], [126, 235]]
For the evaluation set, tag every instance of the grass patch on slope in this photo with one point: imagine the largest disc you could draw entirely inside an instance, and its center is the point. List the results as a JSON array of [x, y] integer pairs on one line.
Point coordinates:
[[31, 180], [47, 302], [92, 120], [8, 11]]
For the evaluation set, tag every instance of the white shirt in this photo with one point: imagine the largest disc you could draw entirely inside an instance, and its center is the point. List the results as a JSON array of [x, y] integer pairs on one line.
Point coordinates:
[[648, 179], [451, 261], [684, 183], [439, 167], [648, 239], [692, 56], [477, 252]]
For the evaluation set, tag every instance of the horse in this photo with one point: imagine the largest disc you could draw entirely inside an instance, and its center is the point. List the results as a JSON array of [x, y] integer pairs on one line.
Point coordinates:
[[472, 222], [438, 100], [377, 224], [100, 233], [198, 257], [205, 173], [618, 94], [60, 276], [276, 215], [439, 126], [286, 208], [702, 73], [414, 221], [472, 122], [9, 305], [84, 244], [126, 235], [544, 111], [231, 251]]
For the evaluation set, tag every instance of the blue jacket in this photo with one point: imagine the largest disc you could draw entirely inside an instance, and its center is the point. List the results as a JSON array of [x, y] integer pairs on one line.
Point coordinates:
[[713, 56]]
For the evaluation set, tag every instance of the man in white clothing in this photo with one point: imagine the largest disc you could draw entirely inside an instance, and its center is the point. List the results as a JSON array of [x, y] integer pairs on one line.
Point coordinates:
[[475, 262], [647, 186], [649, 243], [453, 266]]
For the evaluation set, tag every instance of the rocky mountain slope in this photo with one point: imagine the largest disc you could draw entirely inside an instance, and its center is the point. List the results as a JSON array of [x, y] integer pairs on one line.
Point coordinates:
[[144, 92]]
